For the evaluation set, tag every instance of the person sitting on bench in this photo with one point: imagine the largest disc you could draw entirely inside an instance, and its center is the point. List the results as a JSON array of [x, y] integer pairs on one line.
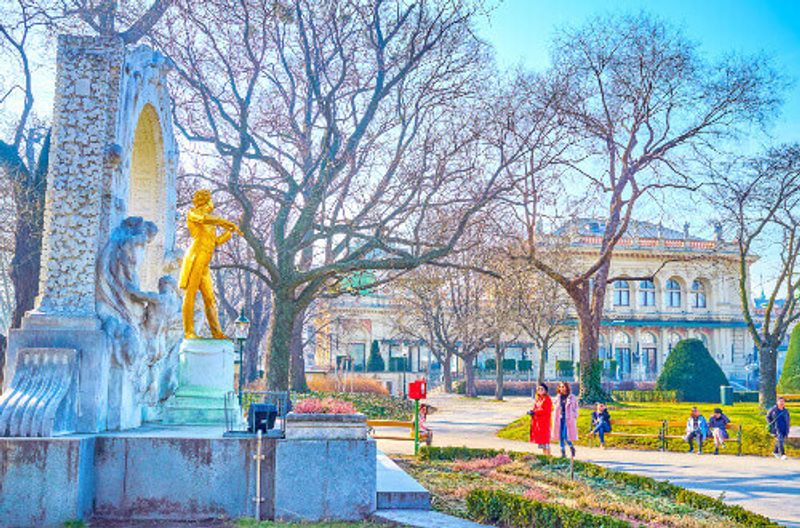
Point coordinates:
[[718, 423], [601, 423], [696, 427]]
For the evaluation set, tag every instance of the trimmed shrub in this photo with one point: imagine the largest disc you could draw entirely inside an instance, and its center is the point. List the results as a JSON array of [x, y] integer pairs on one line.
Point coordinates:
[[790, 377], [565, 368], [375, 362], [745, 396], [524, 365], [496, 506], [490, 364], [646, 396], [450, 453], [691, 370], [509, 364], [510, 388]]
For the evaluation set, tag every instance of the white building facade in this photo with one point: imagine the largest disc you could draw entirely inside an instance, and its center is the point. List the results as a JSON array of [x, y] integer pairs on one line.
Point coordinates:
[[670, 286]]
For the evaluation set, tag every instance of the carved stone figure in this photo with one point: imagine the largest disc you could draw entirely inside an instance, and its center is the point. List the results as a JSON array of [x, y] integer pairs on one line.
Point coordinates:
[[142, 326], [195, 273]]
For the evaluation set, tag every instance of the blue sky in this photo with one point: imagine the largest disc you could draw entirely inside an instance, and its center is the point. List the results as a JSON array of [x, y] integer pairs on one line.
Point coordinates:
[[521, 31]]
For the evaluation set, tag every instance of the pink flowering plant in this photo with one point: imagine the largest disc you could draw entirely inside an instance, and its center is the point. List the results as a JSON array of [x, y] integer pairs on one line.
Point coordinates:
[[324, 406]]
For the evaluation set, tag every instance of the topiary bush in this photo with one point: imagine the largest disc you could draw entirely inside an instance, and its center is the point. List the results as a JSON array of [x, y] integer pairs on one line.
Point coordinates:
[[692, 371], [375, 362], [790, 377]]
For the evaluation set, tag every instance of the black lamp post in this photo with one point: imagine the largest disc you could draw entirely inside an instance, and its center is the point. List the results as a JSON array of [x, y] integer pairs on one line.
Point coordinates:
[[241, 328]]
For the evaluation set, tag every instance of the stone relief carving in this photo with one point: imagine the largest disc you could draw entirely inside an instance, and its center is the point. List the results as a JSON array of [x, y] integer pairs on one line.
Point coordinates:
[[143, 327]]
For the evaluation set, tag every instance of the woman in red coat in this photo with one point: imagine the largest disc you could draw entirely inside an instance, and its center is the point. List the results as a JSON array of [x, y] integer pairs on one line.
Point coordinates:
[[540, 418]]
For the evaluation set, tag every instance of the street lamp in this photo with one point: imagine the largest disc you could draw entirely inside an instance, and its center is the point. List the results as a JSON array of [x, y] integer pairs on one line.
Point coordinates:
[[241, 327]]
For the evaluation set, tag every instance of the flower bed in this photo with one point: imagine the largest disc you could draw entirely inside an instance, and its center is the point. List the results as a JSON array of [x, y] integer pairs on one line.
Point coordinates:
[[374, 406], [519, 490]]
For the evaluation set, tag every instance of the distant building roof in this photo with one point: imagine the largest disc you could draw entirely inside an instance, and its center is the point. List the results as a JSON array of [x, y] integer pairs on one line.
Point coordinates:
[[592, 227]]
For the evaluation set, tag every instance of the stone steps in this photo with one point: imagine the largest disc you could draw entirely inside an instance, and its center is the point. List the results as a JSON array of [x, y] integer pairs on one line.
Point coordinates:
[[423, 519], [397, 490]]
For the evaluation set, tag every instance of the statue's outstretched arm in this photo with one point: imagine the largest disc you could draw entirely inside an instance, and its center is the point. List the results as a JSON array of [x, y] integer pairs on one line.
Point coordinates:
[[202, 218]]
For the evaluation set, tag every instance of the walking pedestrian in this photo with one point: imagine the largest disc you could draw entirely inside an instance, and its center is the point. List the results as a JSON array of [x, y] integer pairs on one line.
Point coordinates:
[[601, 423], [779, 423], [540, 418], [565, 419], [696, 428], [718, 424]]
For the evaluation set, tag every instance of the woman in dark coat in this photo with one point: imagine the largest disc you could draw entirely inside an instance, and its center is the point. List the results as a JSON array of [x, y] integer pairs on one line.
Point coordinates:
[[540, 418]]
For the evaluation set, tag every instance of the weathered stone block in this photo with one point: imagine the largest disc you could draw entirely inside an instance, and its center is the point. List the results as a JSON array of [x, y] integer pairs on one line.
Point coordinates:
[[325, 479], [179, 478], [44, 482], [326, 426]]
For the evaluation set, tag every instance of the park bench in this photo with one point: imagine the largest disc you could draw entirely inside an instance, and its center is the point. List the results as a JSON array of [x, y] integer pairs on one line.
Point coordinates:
[[425, 435], [734, 436], [618, 430], [791, 398]]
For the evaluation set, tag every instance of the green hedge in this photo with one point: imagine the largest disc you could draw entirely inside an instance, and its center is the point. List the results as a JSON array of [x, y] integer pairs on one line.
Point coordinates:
[[509, 364], [511, 510], [490, 364], [565, 368], [790, 376], [524, 365], [745, 396], [647, 396]]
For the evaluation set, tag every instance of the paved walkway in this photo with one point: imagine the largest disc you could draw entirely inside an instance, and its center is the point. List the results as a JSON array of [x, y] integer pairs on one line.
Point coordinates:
[[763, 485]]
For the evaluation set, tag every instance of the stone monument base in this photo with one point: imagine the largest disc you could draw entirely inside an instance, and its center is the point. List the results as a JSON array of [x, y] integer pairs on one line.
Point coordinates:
[[205, 386], [162, 473]]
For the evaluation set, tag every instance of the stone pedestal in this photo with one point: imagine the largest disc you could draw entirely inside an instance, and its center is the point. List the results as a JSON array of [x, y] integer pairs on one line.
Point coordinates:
[[205, 382], [326, 426]]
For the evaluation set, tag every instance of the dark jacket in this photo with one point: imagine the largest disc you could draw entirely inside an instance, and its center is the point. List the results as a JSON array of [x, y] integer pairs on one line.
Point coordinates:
[[604, 417], [719, 423], [779, 421]]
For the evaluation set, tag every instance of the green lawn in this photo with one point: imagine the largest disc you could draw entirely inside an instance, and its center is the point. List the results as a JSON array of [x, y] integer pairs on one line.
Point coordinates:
[[756, 438]]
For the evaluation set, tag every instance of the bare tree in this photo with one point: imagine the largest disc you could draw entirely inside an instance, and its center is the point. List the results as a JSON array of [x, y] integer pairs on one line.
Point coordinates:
[[642, 106], [422, 315], [759, 203], [539, 306], [329, 116], [24, 152]]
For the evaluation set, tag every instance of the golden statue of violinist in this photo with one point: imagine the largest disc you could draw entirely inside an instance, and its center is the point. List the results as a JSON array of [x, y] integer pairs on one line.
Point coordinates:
[[195, 272]]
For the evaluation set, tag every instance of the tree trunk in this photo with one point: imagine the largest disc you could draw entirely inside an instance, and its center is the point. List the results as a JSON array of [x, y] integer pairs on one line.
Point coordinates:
[[542, 360], [279, 339], [298, 363], [498, 371], [768, 366], [25, 264], [469, 371], [591, 369], [447, 375]]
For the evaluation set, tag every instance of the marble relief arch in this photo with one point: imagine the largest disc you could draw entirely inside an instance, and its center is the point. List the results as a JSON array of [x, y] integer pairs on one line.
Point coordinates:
[[108, 306]]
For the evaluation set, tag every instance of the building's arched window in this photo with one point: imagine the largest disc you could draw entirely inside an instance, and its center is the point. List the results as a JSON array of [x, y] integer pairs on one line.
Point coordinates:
[[647, 293], [698, 294], [622, 293], [673, 294]]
